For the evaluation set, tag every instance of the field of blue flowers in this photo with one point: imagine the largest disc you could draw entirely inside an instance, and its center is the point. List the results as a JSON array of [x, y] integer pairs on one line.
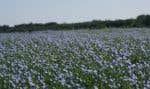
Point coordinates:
[[78, 59]]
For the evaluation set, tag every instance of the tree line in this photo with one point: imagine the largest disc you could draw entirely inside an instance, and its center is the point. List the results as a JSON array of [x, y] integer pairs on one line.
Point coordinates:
[[140, 21]]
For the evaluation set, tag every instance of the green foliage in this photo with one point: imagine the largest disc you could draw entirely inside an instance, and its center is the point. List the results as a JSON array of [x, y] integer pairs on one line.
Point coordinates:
[[140, 21], [143, 21]]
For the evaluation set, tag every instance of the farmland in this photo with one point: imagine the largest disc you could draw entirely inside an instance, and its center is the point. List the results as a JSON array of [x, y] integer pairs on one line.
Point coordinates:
[[110, 58]]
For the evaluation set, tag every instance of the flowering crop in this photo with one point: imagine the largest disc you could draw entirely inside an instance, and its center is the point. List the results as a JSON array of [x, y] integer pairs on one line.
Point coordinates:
[[80, 59]]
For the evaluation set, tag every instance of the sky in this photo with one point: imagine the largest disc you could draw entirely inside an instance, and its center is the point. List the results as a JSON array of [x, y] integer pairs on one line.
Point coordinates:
[[14, 12]]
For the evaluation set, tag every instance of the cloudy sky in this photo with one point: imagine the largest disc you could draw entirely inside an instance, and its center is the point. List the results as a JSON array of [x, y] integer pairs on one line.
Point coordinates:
[[41, 11]]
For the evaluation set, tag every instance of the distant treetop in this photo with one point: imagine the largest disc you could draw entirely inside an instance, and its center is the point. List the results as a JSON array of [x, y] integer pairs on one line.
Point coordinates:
[[140, 21]]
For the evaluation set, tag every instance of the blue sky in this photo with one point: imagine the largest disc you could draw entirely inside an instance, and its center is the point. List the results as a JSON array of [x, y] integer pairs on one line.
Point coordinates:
[[42, 11]]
